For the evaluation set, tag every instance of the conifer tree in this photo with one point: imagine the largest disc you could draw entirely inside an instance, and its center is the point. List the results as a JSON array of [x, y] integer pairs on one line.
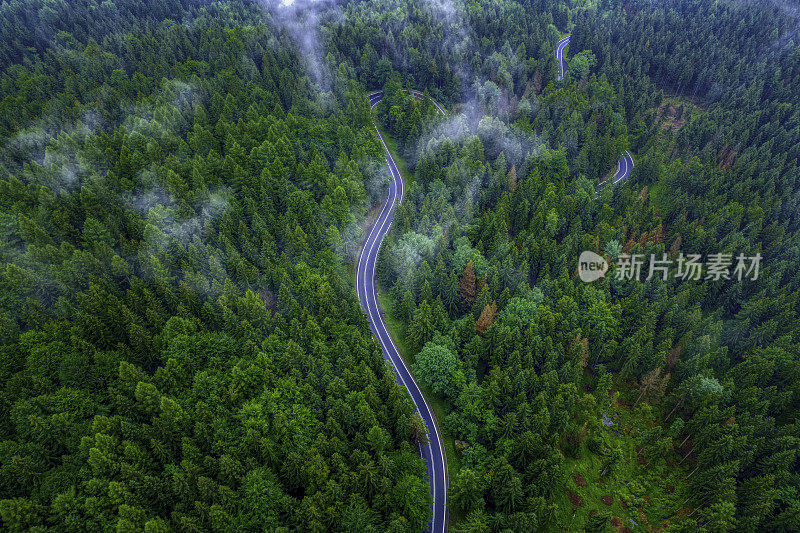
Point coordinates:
[[466, 286]]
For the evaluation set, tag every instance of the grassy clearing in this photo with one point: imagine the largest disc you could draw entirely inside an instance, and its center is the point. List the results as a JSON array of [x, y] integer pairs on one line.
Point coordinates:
[[391, 144], [642, 491]]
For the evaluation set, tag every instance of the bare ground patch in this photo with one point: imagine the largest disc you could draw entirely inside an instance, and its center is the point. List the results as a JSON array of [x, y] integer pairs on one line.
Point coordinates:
[[575, 499]]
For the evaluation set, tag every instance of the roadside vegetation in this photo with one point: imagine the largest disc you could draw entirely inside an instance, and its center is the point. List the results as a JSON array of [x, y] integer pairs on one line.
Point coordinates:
[[184, 187]]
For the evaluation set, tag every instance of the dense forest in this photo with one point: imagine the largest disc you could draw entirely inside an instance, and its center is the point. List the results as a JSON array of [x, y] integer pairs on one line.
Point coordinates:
[[184, 188], [182, 347]]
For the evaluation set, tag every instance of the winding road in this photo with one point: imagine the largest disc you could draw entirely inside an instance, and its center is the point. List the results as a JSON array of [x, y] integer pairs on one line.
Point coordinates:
[[624, 168], [433, 452], [562, 63], [625, 164]]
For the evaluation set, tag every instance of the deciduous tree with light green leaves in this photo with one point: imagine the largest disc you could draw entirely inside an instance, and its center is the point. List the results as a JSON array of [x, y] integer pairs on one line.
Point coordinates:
[[581, 64], [438, 368]]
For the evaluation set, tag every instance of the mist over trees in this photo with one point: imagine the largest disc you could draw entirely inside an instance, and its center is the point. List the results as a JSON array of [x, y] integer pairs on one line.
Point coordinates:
[[184, 187], [182, 348]]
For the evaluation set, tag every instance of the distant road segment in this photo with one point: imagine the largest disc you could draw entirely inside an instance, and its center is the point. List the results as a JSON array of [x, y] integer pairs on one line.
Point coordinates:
[[625, 164]]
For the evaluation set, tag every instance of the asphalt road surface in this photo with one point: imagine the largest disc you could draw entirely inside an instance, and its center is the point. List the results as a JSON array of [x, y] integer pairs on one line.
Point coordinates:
[[562, 63], [625, 164], [433, 452], [624, 168]]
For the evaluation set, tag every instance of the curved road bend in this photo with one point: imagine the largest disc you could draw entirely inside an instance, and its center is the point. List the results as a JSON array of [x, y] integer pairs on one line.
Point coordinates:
[[624, 168], [625, 164], [562, 64], [433, 452]]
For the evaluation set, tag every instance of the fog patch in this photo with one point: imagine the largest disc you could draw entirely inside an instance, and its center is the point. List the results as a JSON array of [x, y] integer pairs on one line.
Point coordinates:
[[54, 151], [464, 203], [170, 110], [302, 21], [495, 135], [408, 252], [452, 17]]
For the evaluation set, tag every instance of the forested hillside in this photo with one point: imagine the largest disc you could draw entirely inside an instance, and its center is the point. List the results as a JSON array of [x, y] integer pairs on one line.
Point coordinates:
[[727, 179], [182, 347], [184, 189], [481, 269]]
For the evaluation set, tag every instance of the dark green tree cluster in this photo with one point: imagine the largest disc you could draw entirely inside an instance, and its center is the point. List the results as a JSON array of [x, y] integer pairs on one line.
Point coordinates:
[[474, 235], [405, 115], [720, 358], [445, 46], [182, 348], [726, 181], [32, 27]]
